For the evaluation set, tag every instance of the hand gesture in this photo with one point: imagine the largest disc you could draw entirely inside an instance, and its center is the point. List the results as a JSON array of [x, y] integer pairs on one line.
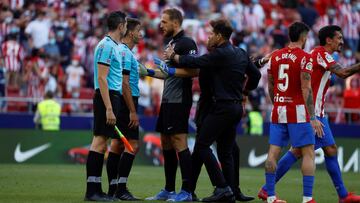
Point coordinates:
[[169, 51], [267, 57], [110, 117], [162, 66], [134, 120], [142, 70], [318, 127]]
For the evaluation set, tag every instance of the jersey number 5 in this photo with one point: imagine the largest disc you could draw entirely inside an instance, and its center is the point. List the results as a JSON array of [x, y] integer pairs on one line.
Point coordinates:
[[284, 77]]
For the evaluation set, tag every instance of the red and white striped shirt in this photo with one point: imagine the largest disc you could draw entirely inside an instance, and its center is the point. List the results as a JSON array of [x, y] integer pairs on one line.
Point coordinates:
[[351, 25], [13, 54], [324, 20], [320, 79], [286, 66], [16, 4]]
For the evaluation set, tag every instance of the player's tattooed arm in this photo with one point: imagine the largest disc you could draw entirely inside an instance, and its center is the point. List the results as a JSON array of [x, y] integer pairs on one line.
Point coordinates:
[[271, 87], [345, 72], [307, 92], [309, 103]]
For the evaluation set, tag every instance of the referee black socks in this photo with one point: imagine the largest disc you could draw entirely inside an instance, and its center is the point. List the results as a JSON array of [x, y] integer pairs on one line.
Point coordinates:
[[125, 164], [94, 166], [170, 167], [186, 170], [112, 171]]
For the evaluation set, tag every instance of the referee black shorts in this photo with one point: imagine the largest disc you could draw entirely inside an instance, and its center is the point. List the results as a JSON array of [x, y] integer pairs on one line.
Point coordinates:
[[173, 118], [123, 120], [100, 126]]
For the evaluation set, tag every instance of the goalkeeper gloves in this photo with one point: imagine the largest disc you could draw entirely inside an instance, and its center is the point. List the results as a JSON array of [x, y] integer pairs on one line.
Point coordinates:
[[143, 71], [169, 71]]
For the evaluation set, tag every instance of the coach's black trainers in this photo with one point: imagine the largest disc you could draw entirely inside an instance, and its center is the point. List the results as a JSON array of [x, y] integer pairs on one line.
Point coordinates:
[[221, 195], [98, 197], [125, 195], [239, 196]]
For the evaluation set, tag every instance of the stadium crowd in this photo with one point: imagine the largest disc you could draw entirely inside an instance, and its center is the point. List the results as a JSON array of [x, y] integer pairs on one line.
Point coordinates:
[[49, 45]]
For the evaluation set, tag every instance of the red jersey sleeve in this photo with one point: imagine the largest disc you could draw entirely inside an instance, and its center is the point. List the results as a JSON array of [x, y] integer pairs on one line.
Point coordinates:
[[325, 60], [306, 64]]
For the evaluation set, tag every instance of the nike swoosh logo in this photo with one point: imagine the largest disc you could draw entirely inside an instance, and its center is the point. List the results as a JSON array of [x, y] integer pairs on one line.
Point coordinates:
[[20, 156], [256, 160]]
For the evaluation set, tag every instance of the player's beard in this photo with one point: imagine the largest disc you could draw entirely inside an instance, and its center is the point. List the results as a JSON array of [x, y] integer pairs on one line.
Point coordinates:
[[210, 45], [169, 32]]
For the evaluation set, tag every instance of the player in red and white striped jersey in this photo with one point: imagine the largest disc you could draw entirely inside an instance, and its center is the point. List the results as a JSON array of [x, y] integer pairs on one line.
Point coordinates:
[[289, 77], [331, 40], [286, 65]]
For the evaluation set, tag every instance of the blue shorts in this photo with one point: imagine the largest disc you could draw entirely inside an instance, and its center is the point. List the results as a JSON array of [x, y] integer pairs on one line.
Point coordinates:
[[300, 134], [328, 138]]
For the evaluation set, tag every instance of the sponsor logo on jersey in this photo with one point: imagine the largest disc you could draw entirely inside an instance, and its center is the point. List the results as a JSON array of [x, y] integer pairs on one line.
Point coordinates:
[[309, 66], [321, 61]]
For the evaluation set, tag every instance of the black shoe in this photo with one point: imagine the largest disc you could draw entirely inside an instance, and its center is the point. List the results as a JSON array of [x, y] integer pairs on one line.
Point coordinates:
[[125, 195], [239, 196], [98, 197], [221, 195], [194, 197]]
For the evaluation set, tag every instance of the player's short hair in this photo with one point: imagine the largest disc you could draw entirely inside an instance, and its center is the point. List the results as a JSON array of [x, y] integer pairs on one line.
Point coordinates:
[[328, 32], [115, 19], [296, 30], [131, 24], [223, 27], [174, 15]]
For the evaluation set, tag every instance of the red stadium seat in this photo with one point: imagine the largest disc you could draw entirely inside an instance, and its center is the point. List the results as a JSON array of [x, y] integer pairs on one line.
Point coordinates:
[[86, 93], [14, 106]]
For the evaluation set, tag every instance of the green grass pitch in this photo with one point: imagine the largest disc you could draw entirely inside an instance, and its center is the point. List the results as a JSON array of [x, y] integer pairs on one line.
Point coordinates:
[[66, 183]]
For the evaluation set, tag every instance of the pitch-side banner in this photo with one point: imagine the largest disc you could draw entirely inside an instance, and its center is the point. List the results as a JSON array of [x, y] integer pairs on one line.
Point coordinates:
[[35, 146]]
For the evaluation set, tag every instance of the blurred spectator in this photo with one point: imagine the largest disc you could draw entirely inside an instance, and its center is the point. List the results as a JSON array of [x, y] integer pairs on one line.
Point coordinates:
[[254, 16], [351, 24], [51, 48], [13, 55], [278, 33], [65, 46], [190, 7], [352, 100], [348, 58], [6, 22], [329, 18], [2, 85], [39, 30], [234, 11], [51, 84], [307, 12], [145, 97], [33, 84], [79, 48], [74, 73]]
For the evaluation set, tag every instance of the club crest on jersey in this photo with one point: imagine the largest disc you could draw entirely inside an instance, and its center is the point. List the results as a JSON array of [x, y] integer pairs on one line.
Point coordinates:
[[321, 61], [329, 58]]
